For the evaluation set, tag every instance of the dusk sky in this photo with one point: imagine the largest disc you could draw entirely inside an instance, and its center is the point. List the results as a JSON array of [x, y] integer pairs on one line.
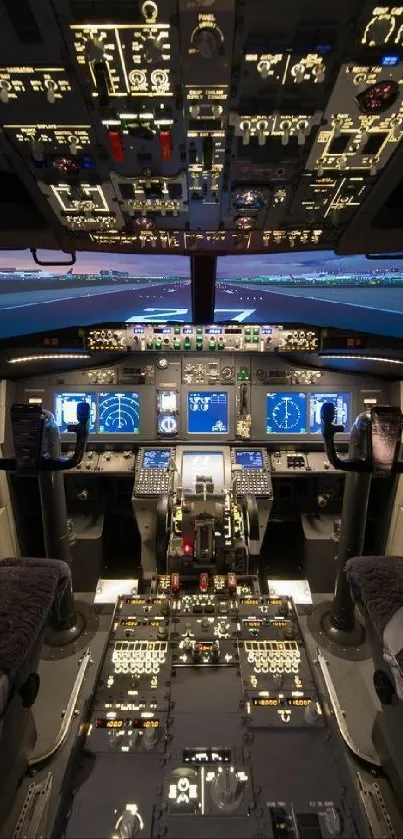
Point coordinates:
[[229, 266]]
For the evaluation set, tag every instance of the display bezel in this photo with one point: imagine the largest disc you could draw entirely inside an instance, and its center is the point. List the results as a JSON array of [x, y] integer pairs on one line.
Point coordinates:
[[209, 435], [159, 451], [329, 392]]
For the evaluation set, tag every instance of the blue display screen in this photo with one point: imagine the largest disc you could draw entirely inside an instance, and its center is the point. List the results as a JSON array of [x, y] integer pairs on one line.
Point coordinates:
[[119, 413], [156, 458], [286, 413], [66, 409], [250, 459], [207, 412], [341, 401]]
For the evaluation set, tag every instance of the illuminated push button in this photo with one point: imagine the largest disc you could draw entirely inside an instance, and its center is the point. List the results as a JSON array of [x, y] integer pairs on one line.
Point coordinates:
[[186, 345], [158, 344], [211, 344], [177, 330], [221, 345], [150, 345], [177, 345], [199, 344]]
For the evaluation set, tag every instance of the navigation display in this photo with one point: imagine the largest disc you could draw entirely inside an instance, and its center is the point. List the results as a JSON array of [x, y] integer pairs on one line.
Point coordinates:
[[119, 413], [156, 458], [207, 412], [66, 409], [341, 401], [250, 459], [206, 464], [286, 413]]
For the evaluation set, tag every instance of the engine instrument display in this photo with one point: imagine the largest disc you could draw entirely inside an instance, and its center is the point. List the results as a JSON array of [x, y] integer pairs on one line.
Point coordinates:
[[249, 459], [156, 459], [207, 412], [202, 464], [341, 401], [66, 409], [286, 413], [119, 413]]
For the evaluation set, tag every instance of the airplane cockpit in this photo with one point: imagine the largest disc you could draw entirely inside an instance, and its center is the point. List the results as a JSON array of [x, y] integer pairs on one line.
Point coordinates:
[[201, 416]]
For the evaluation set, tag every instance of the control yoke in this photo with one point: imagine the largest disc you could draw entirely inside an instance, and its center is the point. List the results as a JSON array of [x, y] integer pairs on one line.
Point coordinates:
[[29, 423], [375, 438]]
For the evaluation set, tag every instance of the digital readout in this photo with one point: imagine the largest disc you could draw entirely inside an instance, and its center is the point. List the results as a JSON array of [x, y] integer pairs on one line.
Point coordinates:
[[275, 702], [252, 623], [130, 623], [143, 601], [137, 723], [250, 601], [210, 755]]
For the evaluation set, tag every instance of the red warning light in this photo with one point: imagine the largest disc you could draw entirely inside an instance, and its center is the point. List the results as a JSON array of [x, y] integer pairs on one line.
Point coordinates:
[[165, 146], [203, 581]]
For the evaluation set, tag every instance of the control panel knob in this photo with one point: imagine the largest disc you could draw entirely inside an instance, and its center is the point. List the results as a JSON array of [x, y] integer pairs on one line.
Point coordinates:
[[311, 714], [333, 821], [5, 87], [215, 653], [152, 50], [289, 633], [206, 43], [128, 824], [150, 737], [378, 31], [162, 633], [283, 608], [226, 789], [196, 655]]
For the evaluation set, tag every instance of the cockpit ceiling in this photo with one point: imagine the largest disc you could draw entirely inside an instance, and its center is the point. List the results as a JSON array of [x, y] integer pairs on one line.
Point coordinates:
[[201, 127]]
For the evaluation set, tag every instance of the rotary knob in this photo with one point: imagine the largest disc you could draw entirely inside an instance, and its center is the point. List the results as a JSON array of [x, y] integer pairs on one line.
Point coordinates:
[[206, 42], [226, 789], [378, 31], [152, 50]]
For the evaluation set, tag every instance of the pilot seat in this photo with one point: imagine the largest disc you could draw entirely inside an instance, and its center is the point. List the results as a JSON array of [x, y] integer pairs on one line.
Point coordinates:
[[31, 592], [377, 586]]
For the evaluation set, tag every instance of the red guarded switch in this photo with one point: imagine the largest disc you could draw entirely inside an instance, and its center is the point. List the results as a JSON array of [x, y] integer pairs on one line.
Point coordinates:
[[166, 146], [203, 582], [116, 145], [175, 582], [231, 582]]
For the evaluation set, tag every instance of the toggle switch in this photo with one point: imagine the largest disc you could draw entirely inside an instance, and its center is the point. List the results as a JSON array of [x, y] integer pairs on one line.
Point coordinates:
[[5, 88], [245, 128]]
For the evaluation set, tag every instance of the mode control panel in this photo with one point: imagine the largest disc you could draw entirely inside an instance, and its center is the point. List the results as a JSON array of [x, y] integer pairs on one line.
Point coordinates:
[[154, 471], [251, 472]]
